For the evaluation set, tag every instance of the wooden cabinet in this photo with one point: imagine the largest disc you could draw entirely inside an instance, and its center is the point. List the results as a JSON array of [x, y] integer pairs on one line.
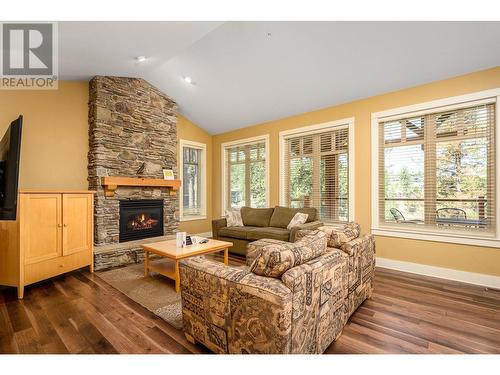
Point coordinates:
[[41, 226], [77, 224], [53, 234]]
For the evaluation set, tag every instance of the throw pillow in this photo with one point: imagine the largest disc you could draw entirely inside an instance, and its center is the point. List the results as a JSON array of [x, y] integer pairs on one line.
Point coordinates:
[[339, 236], [233, 218], [275, 259], [297, 220]]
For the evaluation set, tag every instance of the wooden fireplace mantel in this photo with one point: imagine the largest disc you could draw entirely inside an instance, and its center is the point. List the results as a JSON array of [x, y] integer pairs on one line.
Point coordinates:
[[111, 184]]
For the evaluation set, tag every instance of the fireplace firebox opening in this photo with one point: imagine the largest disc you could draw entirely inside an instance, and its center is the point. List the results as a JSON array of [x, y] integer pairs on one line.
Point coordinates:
[[140, 219]]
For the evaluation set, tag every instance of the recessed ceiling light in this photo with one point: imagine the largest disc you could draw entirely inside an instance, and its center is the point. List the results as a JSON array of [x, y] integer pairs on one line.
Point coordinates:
[[141, 58], [189, 80]]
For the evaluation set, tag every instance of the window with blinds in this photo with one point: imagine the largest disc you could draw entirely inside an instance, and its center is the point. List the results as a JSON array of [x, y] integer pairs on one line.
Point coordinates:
[[245, 175], [193, 189], [315, 173], [437, 171]]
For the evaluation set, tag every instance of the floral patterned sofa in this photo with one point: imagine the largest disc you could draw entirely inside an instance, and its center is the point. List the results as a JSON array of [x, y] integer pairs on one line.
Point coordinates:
[[289, 298]]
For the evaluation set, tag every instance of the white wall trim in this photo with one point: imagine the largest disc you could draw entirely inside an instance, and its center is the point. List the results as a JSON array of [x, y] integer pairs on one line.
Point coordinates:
[[489, 281], [192, 218], [452, 102], [456, 238], [203, 147], [319, 128], [481, 97], [242, 142]]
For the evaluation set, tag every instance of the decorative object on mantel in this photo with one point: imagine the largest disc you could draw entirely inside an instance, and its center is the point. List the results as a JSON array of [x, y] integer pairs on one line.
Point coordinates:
[[141, 169], [168, 174], [111, 184]]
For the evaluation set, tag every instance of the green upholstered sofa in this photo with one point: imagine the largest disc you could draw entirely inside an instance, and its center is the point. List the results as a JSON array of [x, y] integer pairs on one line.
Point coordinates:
[[262, 223]]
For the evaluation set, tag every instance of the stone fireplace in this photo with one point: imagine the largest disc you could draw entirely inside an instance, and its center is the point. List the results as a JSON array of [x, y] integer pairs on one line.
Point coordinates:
[[132, 133]]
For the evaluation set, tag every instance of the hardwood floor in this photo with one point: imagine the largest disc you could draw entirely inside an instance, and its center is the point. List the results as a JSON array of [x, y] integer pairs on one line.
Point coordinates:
[[416, 314], [80, 313]]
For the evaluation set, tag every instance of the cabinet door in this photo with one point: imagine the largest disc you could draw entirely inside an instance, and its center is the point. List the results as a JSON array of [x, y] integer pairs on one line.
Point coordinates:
[[77, 223], [42, 226]]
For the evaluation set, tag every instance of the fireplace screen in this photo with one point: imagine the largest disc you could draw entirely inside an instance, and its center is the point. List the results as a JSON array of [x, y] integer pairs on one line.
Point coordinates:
[[140, 219]]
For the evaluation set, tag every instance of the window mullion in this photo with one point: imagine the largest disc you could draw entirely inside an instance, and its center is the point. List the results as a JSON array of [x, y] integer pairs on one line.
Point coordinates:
[[247, 177], [381, 174], [316, 188], [228, 179], [491, 175], [287, 174], [430, 193]]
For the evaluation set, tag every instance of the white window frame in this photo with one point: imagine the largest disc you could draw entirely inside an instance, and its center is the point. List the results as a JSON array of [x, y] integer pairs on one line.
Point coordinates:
[[320, 128], [241, 142], [203, 167], [481, 97]]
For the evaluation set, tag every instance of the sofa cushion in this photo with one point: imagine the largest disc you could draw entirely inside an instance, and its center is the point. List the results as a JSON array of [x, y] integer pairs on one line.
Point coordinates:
[[297, 220], [276, 259], [269, 232], [282, 216], [337, 236], [233, 218], [236, 232], [256, 217], [254, 248]]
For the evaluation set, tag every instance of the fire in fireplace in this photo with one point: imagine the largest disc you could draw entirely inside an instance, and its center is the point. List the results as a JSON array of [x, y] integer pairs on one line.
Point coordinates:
[[140, 219]]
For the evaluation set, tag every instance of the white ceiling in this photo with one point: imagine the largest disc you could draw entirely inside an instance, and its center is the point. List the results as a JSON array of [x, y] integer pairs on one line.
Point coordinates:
[[243, 76]]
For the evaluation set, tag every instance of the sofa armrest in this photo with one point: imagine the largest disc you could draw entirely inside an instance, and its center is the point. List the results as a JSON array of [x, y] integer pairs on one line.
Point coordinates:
[[361, 263], [294, 277], [359, 245], [230, 310], [261, 313], [218, 224], [205, 300], [319, 290], [307, 226]]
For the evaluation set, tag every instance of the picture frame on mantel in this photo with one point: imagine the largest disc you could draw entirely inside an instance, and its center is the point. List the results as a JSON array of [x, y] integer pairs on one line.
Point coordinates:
[[168, 174]]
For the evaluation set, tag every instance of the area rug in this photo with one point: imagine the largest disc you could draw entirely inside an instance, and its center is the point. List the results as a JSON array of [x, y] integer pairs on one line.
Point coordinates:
[[156, 293]]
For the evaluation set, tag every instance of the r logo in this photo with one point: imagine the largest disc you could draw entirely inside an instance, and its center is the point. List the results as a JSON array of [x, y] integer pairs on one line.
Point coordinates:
[[27, 49]]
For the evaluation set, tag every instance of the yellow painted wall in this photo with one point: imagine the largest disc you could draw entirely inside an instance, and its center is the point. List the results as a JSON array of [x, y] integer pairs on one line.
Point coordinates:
[[55, 134], [188, 131], [55, 140], [55, 146], [466, 258]]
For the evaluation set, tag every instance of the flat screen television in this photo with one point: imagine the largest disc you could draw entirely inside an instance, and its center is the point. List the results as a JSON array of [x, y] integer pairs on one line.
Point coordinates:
[[10, 153]]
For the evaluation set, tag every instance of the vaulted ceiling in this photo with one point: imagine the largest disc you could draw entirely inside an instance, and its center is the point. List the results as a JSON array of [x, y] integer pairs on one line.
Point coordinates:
[[246, 73]]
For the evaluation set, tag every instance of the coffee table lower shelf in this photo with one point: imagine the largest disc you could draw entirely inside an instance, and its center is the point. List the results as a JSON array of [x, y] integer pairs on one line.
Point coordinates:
[[165, 267], [167, 250]]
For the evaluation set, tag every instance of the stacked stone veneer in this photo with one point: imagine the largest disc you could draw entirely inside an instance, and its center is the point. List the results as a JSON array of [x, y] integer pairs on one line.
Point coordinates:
[[131, 125]]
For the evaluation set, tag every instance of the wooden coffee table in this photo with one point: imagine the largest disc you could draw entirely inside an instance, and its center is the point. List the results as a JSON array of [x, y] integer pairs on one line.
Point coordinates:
[[169, 266]]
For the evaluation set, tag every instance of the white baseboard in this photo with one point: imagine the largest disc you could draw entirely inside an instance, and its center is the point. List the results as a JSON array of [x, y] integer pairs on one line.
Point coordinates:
[[440, 272], [204, 234]]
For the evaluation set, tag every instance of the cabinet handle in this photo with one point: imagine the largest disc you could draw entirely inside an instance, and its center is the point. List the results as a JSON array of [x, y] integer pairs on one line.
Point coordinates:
[[65, 225], [59, 225]]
